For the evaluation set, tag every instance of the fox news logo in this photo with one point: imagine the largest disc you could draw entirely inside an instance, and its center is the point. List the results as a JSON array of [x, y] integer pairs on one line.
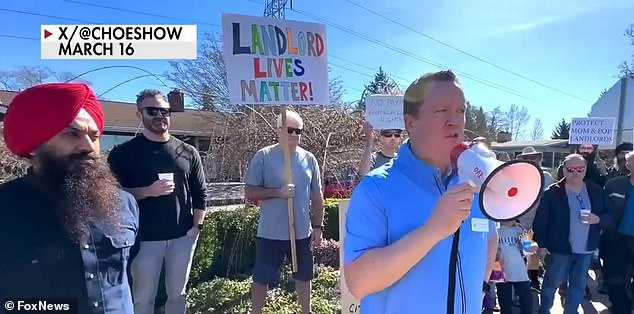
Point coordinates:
[[119, 42]]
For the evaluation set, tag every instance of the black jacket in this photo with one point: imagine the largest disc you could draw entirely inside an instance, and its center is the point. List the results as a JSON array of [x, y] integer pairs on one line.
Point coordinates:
[[552, 220], [616, 196]]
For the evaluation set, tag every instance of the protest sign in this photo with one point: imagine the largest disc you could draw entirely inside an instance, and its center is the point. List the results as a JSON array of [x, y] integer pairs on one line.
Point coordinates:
[[384, 111], [275, 61], [596, 131], [349, 304]]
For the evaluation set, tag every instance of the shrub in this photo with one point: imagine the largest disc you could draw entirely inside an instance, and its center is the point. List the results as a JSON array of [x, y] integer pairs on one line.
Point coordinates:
[[226, 247], [327, 254], [220, 295], [231, 296], [331, 219]]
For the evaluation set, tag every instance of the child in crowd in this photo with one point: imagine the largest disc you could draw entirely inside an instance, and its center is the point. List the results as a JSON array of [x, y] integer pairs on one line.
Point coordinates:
[[515, 242]]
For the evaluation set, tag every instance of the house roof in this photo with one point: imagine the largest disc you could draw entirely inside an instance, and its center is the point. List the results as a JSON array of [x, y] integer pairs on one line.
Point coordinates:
[[121, 117], [536, 144]]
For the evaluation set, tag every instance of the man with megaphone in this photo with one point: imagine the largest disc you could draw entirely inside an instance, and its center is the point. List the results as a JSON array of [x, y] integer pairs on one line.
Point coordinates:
[[413, 220]]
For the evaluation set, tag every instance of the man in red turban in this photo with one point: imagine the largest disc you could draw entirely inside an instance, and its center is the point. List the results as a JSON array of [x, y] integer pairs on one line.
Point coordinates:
[[66, 227]]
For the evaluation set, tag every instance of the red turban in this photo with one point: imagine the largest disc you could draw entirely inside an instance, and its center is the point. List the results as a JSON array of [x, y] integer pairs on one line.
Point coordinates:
[[39, 113]]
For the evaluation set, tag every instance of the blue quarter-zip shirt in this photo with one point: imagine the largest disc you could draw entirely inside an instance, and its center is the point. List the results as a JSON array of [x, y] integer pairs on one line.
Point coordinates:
[[394, 200]]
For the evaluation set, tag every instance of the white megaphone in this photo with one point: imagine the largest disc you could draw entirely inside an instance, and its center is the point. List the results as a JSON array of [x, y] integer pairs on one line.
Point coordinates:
[[507, 189]]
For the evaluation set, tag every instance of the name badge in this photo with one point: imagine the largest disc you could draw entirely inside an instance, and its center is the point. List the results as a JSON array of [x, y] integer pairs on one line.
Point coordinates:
[[479, 225]]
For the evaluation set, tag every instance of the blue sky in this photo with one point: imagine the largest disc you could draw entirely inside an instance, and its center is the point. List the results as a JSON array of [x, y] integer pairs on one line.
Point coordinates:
[[570, 47]]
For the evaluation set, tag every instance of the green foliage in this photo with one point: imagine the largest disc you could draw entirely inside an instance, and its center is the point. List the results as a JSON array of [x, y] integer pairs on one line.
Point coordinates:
[[331, 219], [226, 247], [561, 131], [220, 296], [232, 296]]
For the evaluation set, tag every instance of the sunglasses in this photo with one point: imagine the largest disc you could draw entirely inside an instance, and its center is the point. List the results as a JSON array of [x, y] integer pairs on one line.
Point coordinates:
[[154, 111], [394, 135], [294, 130], [577, 169], [531, 157]]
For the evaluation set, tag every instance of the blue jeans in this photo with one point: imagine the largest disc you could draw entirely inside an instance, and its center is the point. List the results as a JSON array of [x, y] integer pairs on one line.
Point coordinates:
[[177, 255], [561, 268]]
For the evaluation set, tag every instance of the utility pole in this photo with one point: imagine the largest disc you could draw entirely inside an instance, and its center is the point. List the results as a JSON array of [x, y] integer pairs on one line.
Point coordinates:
[[276, 8]]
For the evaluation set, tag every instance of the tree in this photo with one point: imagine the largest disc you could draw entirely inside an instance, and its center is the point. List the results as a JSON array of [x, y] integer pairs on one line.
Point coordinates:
[[382, 84], [495, 121], [476, 121], [537, 132], [561, 131], [204, 79], [26, 76], [515, 120], [627, 68]]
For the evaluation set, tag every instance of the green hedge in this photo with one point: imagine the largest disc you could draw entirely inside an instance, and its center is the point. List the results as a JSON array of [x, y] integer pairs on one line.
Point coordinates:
[[226, 250], [226, 247], [232, 296]]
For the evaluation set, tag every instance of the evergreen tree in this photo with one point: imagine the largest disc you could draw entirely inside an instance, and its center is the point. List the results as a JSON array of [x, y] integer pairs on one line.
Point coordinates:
[[561, 131]]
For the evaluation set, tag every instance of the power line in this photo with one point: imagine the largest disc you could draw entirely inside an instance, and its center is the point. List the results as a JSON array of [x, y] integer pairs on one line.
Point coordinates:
[[418, 57], [199, 22], [472, 77], [149, 14], [141, 13], [469, 76], [45, 15], [18, 37], [462, 51], [367, 67], [36, 39]]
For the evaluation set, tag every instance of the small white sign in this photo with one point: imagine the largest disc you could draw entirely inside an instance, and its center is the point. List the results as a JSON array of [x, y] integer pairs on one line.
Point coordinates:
[[119, 42], [385, 111], [349, 304], [596, 131]]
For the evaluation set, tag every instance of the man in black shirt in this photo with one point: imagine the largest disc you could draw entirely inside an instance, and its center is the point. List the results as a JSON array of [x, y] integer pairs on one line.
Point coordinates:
[[166, 177], [66, 227]]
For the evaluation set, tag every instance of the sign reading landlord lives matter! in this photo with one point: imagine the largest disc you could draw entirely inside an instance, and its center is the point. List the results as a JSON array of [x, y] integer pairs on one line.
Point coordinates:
[[596, 131], [275, 61], [384, 111]]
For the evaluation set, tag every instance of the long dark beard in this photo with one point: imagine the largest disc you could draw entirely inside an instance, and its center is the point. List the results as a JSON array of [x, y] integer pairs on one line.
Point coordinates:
[[81, 189]]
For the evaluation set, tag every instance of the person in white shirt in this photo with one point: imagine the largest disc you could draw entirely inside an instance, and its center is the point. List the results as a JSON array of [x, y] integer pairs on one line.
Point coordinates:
[[511, 254]]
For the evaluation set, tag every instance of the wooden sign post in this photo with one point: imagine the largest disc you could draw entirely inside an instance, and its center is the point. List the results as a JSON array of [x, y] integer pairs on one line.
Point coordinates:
[[289, 180]]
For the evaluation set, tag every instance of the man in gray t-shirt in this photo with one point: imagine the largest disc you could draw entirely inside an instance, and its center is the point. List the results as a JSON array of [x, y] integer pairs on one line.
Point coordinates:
[[266, 181]]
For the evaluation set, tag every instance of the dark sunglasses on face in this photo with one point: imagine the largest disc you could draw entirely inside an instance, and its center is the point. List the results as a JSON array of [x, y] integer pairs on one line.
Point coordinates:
[[294, 130], [577, 169], [532, 157], [395, 135], [154, 111]]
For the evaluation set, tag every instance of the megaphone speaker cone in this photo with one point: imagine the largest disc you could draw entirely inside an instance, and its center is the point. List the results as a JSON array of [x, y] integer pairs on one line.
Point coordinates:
[[511, 190]]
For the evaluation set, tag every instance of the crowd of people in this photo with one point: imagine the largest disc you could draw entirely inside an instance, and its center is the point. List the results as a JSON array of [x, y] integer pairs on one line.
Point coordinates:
[[101, 230]]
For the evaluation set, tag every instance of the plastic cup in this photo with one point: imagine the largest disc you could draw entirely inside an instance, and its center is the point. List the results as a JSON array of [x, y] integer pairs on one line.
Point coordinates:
[[584, 213], [166, 176]]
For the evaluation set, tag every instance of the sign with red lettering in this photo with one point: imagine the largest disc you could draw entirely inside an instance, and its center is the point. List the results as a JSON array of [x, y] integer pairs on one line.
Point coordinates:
[[275, 61]]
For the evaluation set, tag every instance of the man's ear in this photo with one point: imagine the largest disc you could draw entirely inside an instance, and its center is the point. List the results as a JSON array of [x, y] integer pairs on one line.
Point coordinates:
[[138, 114], [409, 122]]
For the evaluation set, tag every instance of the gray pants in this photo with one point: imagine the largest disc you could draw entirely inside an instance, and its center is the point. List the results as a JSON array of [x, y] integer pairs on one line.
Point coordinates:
[[146, 272]]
